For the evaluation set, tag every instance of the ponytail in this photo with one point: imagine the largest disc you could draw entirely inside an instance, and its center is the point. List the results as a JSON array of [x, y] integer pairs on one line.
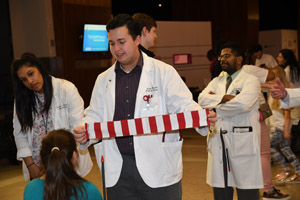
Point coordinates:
[[61, 180]]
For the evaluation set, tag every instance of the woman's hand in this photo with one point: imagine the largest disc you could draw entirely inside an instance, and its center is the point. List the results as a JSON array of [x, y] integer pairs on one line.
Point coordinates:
[[34, 171]]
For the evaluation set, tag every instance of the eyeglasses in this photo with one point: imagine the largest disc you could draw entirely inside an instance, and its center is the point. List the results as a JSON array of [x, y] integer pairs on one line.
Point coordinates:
[[224, 56]]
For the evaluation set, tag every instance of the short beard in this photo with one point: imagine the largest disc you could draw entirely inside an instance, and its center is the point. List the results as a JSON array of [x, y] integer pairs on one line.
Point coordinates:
[[230, 68]]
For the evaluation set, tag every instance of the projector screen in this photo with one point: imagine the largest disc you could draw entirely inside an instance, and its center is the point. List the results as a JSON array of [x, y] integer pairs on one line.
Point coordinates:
[[95, 38]]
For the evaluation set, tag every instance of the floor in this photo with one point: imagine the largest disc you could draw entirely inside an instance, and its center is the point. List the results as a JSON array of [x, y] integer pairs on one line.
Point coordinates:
[[194, 162]]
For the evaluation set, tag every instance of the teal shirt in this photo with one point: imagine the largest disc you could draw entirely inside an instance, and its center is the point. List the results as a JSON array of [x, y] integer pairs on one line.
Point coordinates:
[[234, 74], [35, 190]]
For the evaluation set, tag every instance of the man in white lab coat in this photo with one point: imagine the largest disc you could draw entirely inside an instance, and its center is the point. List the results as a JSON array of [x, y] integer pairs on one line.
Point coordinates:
[[234, 144], [138, 167]]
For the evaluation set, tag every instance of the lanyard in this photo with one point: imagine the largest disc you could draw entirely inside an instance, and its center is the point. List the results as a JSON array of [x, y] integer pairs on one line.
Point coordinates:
[[44, 114], [45, 121]]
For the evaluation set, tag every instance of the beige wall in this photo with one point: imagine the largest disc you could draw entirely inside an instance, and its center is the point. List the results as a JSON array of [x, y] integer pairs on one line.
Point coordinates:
[[275, 40], [32, 27], [175, 37]]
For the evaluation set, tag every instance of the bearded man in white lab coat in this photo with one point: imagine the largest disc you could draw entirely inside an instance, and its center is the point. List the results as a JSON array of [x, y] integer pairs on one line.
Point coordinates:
[[234, 144]]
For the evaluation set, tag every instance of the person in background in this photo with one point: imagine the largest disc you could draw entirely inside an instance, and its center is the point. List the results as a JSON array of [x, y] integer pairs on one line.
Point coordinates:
[[211, 56], [262, 59], [263, 75], [281, 122], [249, 58], [148, 28], [59, 158], [234, 143], [289, 97], [42, 103], [141, 166], [287, 59]]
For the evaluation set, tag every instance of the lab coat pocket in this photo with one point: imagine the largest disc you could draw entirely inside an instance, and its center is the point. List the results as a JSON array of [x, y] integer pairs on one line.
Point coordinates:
[[173, 158], [243, 144], [147, 112]]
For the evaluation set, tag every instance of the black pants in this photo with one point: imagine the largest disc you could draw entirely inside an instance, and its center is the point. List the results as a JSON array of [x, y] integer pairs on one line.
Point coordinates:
[[227, 192], [295, 146], [131, 186]]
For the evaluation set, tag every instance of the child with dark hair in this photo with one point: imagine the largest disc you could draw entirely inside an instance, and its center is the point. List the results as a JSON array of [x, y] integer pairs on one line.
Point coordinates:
[[59, 157]]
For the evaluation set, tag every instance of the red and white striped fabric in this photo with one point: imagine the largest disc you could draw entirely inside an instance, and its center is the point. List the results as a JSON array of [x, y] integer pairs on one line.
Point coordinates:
[[147, 125]]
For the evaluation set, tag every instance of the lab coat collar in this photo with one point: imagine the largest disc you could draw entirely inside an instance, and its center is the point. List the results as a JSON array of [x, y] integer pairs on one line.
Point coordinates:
[[235, 81], [146, 81]]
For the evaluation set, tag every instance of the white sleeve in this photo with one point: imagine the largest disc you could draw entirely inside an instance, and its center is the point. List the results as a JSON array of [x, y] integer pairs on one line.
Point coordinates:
[[259, 72], [21, 139], [292, 98]]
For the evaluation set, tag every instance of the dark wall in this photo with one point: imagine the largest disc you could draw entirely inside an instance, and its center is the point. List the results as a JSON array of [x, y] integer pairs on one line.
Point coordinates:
[[281, 15], [233, 20], [150, 7], [230, 21], [6, 57], [229, 18], [81, 68]]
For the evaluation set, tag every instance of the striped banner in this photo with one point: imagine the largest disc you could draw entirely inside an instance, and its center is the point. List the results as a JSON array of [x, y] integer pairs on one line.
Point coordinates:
[[147, 125]]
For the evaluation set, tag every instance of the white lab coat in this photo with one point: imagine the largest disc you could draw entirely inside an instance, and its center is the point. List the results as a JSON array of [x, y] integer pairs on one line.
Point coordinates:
[[266, 59], [292, 99], [243, 148], [159, 163], [67, 112]]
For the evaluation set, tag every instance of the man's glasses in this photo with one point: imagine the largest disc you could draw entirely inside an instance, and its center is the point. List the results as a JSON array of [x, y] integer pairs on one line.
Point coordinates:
[[224, 56]]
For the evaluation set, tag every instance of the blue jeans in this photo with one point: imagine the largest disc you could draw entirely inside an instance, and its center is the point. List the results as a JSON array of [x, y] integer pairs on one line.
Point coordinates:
[[285, 152]]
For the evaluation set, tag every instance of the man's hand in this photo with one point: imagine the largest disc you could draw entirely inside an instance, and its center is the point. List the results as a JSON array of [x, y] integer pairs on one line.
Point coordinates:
[[277, 91], [79, 134], [226, 97], [212, 117]]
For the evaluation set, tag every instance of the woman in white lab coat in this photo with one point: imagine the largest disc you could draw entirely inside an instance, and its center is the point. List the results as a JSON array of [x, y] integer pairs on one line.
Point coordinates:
[[42, 103]]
